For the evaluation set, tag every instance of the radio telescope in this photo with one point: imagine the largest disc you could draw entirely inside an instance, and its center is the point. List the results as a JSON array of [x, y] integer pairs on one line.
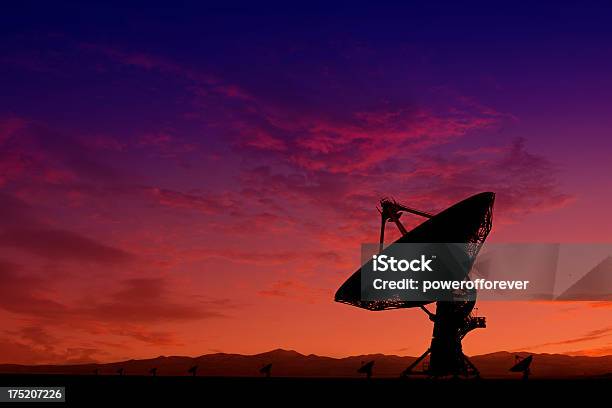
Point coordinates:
[[469, 222], [366, 368], [193, 370], [523, 365], [266, 370]]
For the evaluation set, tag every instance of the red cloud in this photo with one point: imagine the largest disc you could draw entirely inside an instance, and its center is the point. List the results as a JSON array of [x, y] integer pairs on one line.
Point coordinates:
[[294, 289], [369, 139], [25, 294], [59, 244], [150, 300], [205, 203]]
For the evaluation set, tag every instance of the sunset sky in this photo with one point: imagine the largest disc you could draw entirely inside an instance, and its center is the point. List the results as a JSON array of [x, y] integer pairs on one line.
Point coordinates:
[[187, 180]]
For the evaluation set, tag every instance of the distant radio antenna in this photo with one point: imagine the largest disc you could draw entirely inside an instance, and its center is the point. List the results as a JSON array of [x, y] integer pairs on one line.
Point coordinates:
[[153, 371], [522, 365], [120, 371], [193, 370], [96, 371], [266, 370], [366, 368]]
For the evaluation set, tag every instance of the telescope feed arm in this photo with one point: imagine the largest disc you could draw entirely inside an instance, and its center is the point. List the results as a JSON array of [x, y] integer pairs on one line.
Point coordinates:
[[391, 210]]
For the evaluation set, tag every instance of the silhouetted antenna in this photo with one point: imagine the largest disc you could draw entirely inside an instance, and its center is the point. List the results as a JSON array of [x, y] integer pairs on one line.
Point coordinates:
[[468, 222], [193, 370], [522, 366], [153, 371], [366, 368], [96, 371], [266, 370], [120, 371]]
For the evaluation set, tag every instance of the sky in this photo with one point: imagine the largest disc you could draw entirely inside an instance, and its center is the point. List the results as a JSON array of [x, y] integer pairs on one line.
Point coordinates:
[[182, 180]]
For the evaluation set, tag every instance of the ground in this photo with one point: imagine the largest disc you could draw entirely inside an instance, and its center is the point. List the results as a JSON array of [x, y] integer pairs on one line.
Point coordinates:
[[218, 391]]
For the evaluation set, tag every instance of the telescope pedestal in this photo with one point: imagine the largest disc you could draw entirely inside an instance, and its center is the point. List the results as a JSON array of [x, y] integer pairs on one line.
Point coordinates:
[[452, 321]]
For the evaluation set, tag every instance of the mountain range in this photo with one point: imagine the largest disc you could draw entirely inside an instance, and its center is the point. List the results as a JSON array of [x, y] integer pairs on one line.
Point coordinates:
[[289, 363]]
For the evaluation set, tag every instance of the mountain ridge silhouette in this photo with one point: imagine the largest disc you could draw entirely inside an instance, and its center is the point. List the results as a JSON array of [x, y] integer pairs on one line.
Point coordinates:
[[290, 363]]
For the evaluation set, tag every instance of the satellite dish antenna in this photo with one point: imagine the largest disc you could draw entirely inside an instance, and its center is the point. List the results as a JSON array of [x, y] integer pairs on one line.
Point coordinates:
[[193, 370], [522, 365], [153, 372], [469, 222], [120, 371], [266, 370], [366, 368]]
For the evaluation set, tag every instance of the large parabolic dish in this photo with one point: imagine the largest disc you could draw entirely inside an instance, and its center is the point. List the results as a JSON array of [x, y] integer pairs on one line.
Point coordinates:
[[468, 221]]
